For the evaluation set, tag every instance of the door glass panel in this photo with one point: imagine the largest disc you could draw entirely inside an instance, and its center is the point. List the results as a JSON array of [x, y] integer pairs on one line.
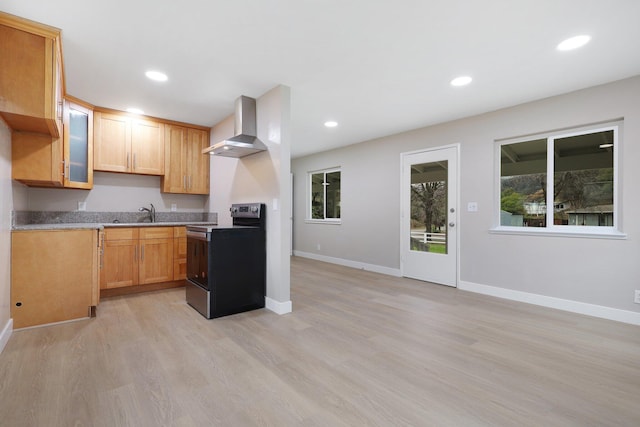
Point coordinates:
[[428, 217], [79, 131]]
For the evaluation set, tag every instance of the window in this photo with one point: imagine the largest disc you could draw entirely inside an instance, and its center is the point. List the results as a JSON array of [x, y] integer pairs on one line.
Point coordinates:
[[324, 195], [564, 182]]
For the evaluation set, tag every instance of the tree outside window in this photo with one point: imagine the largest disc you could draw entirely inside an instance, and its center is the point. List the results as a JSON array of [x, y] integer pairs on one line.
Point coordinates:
[[325, 195]]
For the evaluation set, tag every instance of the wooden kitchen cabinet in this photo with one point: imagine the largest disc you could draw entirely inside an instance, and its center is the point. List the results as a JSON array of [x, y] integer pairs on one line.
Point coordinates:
[[119, 264], [53, 275], [156, 255], [186, 168], [31, 79], [39, 160], [128, 144], [136, 256], [179, 253]]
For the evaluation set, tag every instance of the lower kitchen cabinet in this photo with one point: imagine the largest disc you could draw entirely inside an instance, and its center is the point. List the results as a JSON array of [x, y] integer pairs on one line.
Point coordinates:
[[54, 276], [119, 263], [137, 256]]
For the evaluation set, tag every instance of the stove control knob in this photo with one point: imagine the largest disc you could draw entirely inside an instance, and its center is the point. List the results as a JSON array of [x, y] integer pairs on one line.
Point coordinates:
[[233, 210], [254, 209]]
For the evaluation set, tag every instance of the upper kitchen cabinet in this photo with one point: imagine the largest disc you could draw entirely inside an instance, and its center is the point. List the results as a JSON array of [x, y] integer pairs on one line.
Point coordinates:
[[31, 77], [124, 143], [186, 168], [40, 160]]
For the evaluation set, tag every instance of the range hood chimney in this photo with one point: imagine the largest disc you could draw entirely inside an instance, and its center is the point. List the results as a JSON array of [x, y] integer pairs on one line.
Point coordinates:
[[244, 140]]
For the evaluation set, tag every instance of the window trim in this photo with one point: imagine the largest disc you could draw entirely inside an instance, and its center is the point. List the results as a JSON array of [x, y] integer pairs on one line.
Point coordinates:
[[551, 229], [309, 219]]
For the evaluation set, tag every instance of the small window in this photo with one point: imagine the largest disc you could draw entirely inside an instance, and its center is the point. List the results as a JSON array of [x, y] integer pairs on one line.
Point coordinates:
[[324, 195], [560, 183]]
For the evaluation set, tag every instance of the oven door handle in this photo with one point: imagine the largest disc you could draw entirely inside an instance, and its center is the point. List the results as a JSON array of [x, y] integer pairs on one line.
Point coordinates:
[[198, 235]]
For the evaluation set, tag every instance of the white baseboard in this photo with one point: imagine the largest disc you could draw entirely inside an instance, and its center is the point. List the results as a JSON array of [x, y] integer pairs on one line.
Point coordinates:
[[552, 302], [277, 306], [6, 334], [348, 263]]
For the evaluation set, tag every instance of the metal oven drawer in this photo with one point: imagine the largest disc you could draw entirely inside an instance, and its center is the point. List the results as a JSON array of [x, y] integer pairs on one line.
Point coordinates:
[[199, 298]]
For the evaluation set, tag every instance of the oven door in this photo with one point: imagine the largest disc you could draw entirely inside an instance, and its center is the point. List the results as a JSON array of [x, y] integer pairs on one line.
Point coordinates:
[[198, 257]]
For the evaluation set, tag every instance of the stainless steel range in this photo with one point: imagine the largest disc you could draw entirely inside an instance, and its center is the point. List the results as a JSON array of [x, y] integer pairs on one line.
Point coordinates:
[[226, 266]]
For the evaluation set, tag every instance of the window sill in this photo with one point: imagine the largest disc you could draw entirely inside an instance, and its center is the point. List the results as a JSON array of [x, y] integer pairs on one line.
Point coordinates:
[[323, 221], [535, 231]]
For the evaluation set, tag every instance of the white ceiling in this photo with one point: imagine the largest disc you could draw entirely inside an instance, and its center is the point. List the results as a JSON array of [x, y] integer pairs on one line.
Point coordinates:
[[377, 67]]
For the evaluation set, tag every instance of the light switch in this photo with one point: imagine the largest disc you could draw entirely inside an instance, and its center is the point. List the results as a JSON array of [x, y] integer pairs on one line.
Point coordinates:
[[174, 207], [472, 207], [275, 204], [82, 206]]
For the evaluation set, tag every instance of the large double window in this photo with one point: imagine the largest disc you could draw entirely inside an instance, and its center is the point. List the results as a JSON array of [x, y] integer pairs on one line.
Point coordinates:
[[324, 195], [563, 182]]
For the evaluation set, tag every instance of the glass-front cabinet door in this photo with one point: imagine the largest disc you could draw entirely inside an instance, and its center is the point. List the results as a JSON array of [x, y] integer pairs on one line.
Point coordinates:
[[78, 146]]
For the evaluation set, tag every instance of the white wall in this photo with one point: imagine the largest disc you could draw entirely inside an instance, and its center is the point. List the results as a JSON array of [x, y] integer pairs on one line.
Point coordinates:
[[261, 177], [12, 195], [114, 192], [583, 270]]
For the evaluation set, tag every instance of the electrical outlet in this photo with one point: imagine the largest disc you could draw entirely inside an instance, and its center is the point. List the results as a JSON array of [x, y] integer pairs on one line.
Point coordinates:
[[174, 207], [318, 246], [82, 206], [636, 299]]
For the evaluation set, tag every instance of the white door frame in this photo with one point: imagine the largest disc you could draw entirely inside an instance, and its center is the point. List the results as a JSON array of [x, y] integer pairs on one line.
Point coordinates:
[[457, 191]]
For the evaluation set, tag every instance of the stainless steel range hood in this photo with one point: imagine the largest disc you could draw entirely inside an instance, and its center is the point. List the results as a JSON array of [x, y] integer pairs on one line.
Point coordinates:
[[245, 140]]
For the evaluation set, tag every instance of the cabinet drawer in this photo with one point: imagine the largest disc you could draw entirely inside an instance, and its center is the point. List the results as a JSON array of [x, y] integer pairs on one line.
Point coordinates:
[[120, 233], [156, 233]]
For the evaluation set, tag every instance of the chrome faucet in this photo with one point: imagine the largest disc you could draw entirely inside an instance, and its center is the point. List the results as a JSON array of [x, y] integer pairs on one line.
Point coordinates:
[[152, 212]]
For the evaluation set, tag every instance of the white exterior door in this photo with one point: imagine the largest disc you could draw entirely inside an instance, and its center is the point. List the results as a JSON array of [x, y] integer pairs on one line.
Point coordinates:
[[429, 230]]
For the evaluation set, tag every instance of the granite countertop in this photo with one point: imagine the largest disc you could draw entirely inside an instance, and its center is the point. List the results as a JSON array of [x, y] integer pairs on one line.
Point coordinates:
[[44, 220], [100, 226]]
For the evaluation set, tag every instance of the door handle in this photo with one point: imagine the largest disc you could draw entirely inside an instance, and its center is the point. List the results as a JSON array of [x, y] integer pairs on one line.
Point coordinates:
[[452, 224]]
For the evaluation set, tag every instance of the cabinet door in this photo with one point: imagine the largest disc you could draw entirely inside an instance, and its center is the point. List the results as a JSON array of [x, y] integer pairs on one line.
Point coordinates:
[[120, 264], [156, 261], [147, 147], [197, 165], [78, 146], [175, 180], [52, 274], [112, 142]]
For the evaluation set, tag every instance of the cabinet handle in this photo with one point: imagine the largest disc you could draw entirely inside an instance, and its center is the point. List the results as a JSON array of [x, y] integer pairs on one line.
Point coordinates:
[[141, 252], [135, 253], [59, 110], [189, 182], [184, 181], [64, 168], [134, 161], [127, 160]]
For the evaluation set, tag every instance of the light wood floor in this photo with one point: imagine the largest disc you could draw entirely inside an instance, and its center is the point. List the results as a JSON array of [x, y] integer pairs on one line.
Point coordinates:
[[360, 349]]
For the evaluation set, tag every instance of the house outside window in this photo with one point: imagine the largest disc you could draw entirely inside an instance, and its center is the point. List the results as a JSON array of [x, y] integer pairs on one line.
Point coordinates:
[[564, 182], [324, 195]]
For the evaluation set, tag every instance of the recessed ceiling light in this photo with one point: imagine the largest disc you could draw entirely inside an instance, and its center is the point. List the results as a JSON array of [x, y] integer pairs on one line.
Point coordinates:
[[461, 81], [574, 42], [134, 110], [330, 124], [157, 76]]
